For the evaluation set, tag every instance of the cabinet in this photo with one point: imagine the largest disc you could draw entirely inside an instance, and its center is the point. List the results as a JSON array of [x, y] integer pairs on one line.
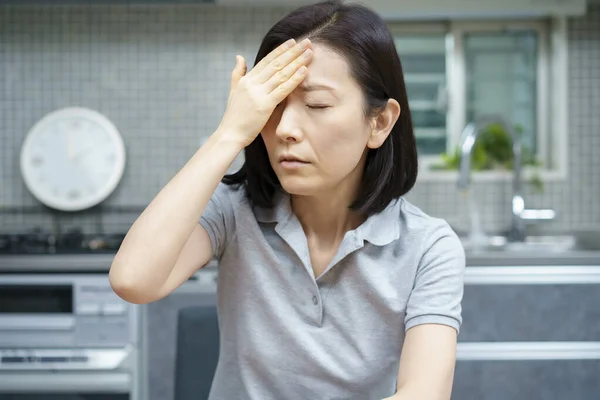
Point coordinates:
[[530, 332], [160, 331]]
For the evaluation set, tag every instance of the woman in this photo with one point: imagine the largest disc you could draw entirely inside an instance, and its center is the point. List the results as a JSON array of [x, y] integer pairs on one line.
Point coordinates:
[[331, 284]]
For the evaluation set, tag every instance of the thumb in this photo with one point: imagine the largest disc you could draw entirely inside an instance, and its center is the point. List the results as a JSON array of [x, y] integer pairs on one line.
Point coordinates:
[[238, 71]]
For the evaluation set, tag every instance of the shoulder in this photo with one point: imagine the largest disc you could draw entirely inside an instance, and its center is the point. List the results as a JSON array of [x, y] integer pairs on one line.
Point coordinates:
[[230, 194], [226, 202], [416, 221], [426, 232]]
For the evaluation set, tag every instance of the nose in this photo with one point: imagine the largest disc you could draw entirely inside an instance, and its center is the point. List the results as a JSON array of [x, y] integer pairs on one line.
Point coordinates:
[[289, 129]]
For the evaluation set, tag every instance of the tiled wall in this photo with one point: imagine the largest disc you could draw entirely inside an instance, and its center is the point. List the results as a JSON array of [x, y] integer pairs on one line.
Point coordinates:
[[161, 74]]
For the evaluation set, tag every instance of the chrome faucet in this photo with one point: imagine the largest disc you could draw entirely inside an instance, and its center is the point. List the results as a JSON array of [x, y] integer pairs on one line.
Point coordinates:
[[520, 214]]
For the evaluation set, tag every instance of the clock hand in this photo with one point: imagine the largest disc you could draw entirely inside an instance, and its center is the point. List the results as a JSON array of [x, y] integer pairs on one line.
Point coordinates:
[[70, 146], [82, 151]]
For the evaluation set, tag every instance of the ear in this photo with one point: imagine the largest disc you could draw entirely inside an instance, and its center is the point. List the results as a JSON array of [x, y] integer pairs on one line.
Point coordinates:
[[383, 123]]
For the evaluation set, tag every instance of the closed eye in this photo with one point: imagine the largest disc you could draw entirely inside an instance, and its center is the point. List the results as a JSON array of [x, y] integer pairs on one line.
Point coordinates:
[[316, 107]]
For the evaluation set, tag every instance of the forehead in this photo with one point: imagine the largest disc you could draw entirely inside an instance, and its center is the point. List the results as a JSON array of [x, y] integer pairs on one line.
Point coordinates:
[[329, 68]]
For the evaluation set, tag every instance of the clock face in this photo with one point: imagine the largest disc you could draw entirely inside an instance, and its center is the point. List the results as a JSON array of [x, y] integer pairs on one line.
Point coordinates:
[[72, 159]]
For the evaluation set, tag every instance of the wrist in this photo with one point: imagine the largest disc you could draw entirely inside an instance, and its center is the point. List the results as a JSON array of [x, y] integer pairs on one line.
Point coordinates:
[[230, 138], [219, 151]]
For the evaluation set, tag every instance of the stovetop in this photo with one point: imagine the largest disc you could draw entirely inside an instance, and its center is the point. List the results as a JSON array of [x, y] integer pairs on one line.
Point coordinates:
[[74, 241]]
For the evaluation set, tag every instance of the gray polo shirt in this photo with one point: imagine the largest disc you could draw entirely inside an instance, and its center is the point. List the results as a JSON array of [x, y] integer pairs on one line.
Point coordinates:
[[288, 335]]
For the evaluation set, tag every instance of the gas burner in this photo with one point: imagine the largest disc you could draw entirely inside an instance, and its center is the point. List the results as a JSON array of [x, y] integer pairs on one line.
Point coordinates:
[[74, 241], [31, 242], [103, 242]]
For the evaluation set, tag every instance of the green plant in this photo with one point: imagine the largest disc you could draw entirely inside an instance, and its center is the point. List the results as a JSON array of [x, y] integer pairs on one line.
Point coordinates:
[[493, 151]]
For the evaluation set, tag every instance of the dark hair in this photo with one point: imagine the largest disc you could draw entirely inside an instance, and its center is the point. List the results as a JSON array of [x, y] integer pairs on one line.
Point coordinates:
[[362, 37]]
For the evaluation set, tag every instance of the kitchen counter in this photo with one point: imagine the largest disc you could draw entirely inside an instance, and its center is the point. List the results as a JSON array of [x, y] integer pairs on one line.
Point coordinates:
[[101, 262], [85, 262], [533, 258]]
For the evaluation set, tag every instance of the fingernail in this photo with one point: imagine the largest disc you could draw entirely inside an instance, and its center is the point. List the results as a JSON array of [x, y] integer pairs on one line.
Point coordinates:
[[305, 41], [290, 43]]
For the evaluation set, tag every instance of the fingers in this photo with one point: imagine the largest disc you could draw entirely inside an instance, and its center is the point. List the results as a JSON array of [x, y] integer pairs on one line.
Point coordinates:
[[281, 61], [286, 73], [238, 71], [284, 89], [282, 48], [243, 66]]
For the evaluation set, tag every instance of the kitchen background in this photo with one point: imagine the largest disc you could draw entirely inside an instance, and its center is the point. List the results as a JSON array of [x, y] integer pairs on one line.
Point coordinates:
[[160, 73]]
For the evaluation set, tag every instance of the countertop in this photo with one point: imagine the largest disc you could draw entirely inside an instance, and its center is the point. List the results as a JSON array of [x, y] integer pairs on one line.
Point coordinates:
[[100, 263]]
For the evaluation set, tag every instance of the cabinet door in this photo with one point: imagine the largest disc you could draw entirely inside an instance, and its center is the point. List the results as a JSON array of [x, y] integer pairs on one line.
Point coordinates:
[[531, 312], [527, 380], [529, 333], [161, 336]]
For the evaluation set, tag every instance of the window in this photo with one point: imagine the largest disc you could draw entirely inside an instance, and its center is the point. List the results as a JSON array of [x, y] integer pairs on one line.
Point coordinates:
[[456, 72], [424, 65], [501, 72]]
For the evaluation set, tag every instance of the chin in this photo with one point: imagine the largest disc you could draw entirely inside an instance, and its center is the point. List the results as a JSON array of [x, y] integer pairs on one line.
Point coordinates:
[[299, 186]]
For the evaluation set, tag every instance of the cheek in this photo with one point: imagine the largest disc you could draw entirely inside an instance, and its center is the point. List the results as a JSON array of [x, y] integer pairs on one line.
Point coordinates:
[[339, 155], [342, 144], [344, 152]]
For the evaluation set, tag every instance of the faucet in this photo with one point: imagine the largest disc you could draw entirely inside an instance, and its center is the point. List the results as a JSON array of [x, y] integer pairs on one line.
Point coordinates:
[[520, 214]]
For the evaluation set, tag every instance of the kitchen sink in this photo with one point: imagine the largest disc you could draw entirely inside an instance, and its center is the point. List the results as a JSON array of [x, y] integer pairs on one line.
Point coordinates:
[[587, 240]]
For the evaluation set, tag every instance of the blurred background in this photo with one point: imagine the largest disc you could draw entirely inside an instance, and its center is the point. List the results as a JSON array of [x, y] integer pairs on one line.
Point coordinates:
[[103, 101]]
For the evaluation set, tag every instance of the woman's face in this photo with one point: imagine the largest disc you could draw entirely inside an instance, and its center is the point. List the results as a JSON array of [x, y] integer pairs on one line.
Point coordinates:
[[322, 125]]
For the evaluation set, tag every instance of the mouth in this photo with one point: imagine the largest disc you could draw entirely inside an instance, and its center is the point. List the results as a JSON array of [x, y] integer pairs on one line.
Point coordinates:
[[291, 158], [289, 161]]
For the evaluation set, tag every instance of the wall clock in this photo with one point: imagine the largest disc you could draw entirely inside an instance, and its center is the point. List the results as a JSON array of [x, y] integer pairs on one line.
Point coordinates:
[[72, 159]]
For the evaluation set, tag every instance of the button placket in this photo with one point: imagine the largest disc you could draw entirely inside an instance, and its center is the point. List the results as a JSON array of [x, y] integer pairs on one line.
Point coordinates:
[[318, 309]]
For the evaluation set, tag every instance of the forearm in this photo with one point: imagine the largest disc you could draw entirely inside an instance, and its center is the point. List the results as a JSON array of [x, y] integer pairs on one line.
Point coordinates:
[[155, 240]]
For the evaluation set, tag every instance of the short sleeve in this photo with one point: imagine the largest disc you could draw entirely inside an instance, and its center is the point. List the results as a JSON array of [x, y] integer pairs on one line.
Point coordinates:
[[437, 293], [218, 219]]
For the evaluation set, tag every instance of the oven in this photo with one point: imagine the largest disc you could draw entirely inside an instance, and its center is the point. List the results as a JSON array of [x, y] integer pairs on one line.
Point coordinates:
[[67, 336]]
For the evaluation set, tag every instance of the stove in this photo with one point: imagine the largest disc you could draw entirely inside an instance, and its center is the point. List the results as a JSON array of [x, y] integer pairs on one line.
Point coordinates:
[[64, 333], [74, 241]]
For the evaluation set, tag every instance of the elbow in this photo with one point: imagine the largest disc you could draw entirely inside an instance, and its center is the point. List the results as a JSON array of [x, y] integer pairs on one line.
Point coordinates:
[[127, 287]]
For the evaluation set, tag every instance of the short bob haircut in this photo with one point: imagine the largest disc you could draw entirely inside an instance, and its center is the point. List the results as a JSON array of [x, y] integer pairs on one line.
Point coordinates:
[[361, 36]]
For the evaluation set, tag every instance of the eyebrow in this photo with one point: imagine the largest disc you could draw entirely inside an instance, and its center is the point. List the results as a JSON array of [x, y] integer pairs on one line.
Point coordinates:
[[310, 88]]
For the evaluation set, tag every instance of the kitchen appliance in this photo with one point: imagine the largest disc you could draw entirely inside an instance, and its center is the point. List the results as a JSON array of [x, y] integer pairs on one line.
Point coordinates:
[[64, 333], [74, 241]]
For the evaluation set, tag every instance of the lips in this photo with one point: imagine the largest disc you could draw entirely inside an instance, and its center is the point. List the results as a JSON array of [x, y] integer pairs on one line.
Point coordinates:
[[291, 158]]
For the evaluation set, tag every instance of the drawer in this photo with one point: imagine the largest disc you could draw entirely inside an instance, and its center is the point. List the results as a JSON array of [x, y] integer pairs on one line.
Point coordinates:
[[527, 380], [531, 304], [531, 312]]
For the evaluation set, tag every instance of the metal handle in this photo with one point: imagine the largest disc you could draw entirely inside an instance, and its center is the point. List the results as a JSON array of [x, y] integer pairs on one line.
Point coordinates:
[[538, 215], [488, 351], [25, 321], [72, 382]]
